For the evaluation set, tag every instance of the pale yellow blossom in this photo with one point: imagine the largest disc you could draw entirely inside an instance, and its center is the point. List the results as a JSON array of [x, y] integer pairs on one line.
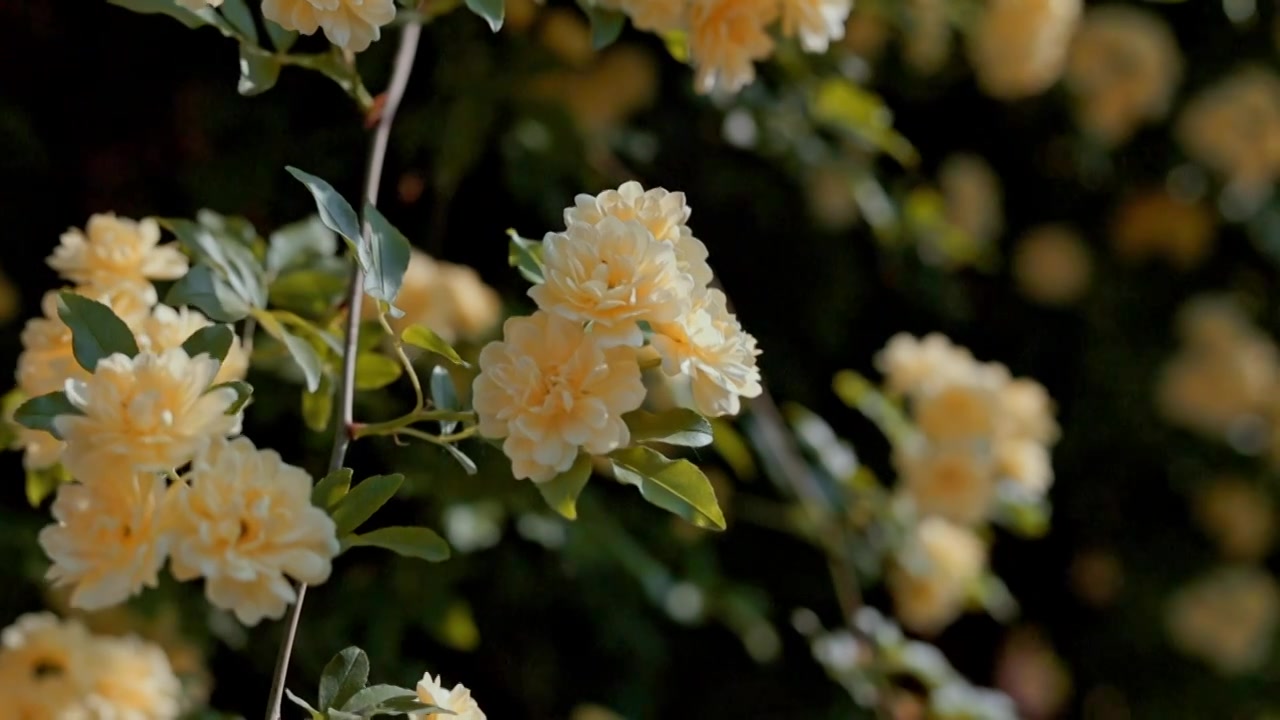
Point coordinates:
[[910, 363], [973, 198], [1052, 265], [816, 22], [112, 250], [927, 35], [1018, 48], [1026, 462], [708, 345], [167, 328], [600, 97], [1234, 127], [955, 412], [934, 576], [106, 542], [550, 387], [149, 412], [867, 32], [449, 299], [565, 32], [1227, 618], [44, 667], [245, 523], [1154, 223], [956, 482], [653, 15], [1239, 516], [457, 699], [350, 24], [132, 679], [726, 38], [612, 274], [1026, 410]]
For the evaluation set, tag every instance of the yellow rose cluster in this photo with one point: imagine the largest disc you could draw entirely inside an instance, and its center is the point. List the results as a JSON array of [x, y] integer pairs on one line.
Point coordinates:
[[450, 299], [977, 430], [626, 272], [237, 516], [727, 37], [350, 24], [50, 668]]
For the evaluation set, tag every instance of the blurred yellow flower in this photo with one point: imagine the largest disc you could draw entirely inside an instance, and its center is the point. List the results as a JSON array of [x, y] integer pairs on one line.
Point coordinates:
[[1052, 265], [167, 328], [350, 24], [44, 666], [1239, 516], [708, 345], [1018, 47], [1123, 69], [973, 198], [866, 32], [1233, 127], [550, 387], [1032, 675], [149, 412], [726, 37], [114, 250], [565, 32], [1154, 223], [244, 522], [1027, 410], [612, 274], [1227, 618], [458, 699], [948, 481], [927, 36], [816, 22], [106, 542], [132, 679], [909, 363], [601, 96], [934, 575], [656, 16], [450, 299], [1026, 462], [956, 412]]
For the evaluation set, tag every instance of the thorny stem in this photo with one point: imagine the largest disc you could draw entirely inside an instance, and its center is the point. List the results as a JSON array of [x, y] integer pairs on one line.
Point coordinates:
[[342, 435]]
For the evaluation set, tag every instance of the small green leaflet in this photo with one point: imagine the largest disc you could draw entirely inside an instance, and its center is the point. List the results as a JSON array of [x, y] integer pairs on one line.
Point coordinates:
[[39, 412], [424, 337], [561, 492], [363, 501], [677, 486], [412, 542], [335, 212], [96, 331], [493, 11], [345, 675], [214, 341], [385, 258]]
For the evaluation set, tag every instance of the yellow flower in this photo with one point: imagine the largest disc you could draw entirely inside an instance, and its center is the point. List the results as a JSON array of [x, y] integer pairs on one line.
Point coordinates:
[[709, 346], [612, 274], [953, 482], [115, 250], [167, 328], [1239, 516], [450, 299], [656, 16], [974, 202], [601, 96], [817, 22], [932, 579], [549, 387], [106, 542], [244, 523], [350, 24], [1123, 68], [432, 692], [1019, 47], [132, 679], [1026, 410], [725, 38], [1025, 462], [1052, 265], [1227, 618], [1154, 223], [957, 412], [664, 214], [44, 666], [476, 306], [1234, 127], [909, 363], [150, 412]]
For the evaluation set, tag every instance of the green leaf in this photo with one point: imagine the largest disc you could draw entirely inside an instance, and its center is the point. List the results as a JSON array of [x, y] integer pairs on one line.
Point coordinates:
[[345, 675], [39, 412], [235, 227], [410, 542], [444, 396], [677, 486], [424, 337], [214, 340], [606, 26], [492, 11], [302, 352], [163, 7], [309, 292], [384, 259], [405, 705], [374, 371], [363, 501], [259, 71], [331, 488], [244, 391], [209, 294], [526, 256], [340, 715], [317, 407], [335, 212], [44, 482], [298, 244], [315, 714], [375, 695], [466, 462], [675, 427], [733, 448], [843, 105], [561, 492], [241, 18], [227, 255], [96, 331], [281, 39]]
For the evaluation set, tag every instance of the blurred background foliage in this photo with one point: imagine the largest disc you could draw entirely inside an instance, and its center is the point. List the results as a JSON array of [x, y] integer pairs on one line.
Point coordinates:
[[844, 198]]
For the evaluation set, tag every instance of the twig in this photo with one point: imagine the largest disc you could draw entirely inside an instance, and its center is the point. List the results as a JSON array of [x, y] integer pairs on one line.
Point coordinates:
[[342, 434]]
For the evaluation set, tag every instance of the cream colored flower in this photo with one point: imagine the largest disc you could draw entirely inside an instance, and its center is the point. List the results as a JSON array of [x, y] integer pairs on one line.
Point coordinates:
[[973, 198], [1025, 462], [1052, 265], [602, 96], [476, 306], [550, 387], [726, 37], [956, 482], [458, 699], [931, 582], [656, 16], [132, 679], [114, 250], [956, 412], [709, 346], [1234, 127], [1026, 410], [1228, 618], [1154, 223], [350, 24], [566, 34], [1123, 69], [106, 542], [1019, 47], [150, 412], [665, 214], [44, 667], [910, 363], [450, 299], [612, 274], [816, 22], [1239, 516], [245, 522], [167, 328]]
